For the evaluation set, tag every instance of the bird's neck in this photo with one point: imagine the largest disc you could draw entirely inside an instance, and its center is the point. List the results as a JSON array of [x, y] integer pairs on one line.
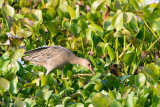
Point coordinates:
[[77, 60]]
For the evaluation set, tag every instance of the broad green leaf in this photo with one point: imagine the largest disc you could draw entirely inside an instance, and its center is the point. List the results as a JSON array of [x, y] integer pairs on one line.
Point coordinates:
[[19, 103], [47, 94], [18, 16], [93, 17], [16, 54], [151, 70], [99, 100], [127, 16], [135, 41], [76, 105], [1, 2], [89, 86], [111, 52], [140, 80], [117, 21], [97, 5], [13, 86], [4, 67], [129, 57], [65, 99], [83, 24], [29, 85], [108, 24], [52, 27], [7, 10], [97, 29], [44, 80], [53, 3], [48, 14], [98, 85], [71, 12], [23, 33], [59, 105], [63, 5], [89, 34], [134, 3], [115, 103], [30, 102], [97, 76], [124, 78], [129, 102], [4, 85], [39, 93], [37, 15], [75, 28], [155, 24]]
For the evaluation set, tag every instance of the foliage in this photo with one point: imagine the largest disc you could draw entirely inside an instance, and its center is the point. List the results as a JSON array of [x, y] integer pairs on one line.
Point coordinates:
[[123, 47]]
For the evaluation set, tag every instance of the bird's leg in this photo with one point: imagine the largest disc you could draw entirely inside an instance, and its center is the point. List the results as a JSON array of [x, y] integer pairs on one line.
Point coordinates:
[[63, 78], [84, 75]]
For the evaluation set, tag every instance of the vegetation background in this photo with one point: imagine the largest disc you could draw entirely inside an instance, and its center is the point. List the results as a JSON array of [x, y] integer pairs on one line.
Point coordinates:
[[123, 45]]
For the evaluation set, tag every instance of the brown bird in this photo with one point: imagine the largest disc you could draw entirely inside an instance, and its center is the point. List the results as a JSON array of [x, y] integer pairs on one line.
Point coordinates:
[[53, 57]]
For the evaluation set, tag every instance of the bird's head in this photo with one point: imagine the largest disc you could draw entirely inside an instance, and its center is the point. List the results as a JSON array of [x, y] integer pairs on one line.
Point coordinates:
[[88, 65]]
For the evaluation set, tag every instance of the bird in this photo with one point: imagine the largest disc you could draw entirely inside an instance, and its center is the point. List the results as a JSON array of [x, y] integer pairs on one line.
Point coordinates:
[[56, 57]]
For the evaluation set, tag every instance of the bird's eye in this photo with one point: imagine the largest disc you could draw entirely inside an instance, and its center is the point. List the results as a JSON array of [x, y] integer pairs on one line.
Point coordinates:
[[89, 64]]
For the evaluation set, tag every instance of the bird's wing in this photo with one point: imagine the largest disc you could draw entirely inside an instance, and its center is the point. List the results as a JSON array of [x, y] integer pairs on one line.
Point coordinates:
[[41, 55]]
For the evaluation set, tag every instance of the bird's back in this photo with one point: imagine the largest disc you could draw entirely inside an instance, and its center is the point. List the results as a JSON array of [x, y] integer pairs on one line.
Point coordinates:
[[42, 55]]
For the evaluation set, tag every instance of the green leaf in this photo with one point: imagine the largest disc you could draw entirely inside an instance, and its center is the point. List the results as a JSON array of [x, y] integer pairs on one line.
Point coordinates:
[[115, 103], [108, 24], [93, 17], [97, 76], [83, 24], [16, 54], [99, 100], [97, 29], [140, 80], [151, 70], [75, 28], [76, 105], [127, 17], [39, 93], [53, 3], [98, 85], [48, 14], [4, 67], [89, 86], [7, 10], [134, 3], [19, 103], [47, 94], [71, 12], [52, 27], [117, 21], [22, 33], [97, 5], [89, 34], [1, 2], [44, 80], [37, 15], [65, 99], [129, 57], [4, 85], [111, 52], [13, 86], [129, 102]]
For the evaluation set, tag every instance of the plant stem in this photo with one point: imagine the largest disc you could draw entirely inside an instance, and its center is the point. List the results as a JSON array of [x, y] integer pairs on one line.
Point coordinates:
[[116, 49], [124, 51], [152, 44]]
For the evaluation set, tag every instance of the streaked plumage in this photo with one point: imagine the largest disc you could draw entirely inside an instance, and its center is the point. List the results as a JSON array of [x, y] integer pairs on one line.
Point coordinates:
[[53, 57]]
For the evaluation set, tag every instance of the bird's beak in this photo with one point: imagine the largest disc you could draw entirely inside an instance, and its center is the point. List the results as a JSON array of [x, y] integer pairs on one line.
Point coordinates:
[[93, 71]]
